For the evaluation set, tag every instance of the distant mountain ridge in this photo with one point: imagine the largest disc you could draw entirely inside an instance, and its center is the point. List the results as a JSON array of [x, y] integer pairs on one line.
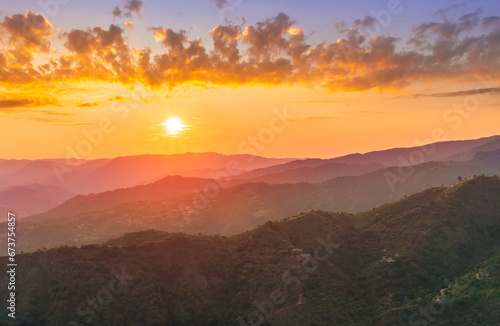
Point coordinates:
[[109, 174], [99, 175], [440, 151], [31, 199], [315, 173], [234, 209]]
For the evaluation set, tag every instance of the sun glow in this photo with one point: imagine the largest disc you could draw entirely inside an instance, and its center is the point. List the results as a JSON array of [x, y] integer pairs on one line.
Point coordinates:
[[173, 126]]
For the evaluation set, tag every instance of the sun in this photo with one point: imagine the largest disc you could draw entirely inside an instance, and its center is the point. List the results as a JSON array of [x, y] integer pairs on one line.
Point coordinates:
[[174, 126]]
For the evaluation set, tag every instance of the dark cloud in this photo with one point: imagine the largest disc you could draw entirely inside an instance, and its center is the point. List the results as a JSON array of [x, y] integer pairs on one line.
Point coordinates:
[[133, 6], [170, 39], [491, 22], [462, 93], [97, 54], [367, 23], [448, 29], [27, 34], [130, 7], [18, 104], [219, 4], [268, 37], [30, 30], [117, 12], [14, 103], [444, 12], [225, 39]]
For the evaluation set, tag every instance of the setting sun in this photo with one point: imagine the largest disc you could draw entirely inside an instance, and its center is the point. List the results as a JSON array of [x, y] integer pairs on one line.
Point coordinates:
[[173, 126]]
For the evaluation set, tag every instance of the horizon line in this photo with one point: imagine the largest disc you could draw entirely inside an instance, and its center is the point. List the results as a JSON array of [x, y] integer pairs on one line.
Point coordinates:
[[234, 154]]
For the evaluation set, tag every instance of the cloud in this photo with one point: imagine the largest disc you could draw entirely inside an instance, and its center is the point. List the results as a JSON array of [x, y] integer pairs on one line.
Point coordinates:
[[225, 40], [275, 51], [443, 12], [59, 122], [312, 102], [54, 113], [129, 25], [267, 38], [185, 60], [130, 7], [170, 39], [72, 124], [34, 110], [30, 107], [30, 30], [49, 120], [366, 23], [89, 104], [133, 6], [366, 112], [219, 4], [18, 102], [117, 12], [462, 93], [96, 54], [449, 29], [309, 119], [26, 34], [14, 103], [491, 22]]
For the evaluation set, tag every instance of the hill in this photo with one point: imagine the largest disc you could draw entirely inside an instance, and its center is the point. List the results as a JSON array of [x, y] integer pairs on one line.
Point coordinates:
[[31, 199], [311, 174], [430, 255], [168, 187], [94, 218], [440, 152]]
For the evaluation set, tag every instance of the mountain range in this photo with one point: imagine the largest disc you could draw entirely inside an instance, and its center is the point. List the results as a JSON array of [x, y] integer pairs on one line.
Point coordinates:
[[429, 257], [178, 204]]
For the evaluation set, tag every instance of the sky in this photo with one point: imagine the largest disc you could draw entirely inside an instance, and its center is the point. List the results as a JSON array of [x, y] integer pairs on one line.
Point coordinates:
[[92, 79]]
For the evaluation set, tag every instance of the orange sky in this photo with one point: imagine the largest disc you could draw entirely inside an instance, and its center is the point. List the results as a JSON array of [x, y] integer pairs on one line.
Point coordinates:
[[317, 123], [261, 89]]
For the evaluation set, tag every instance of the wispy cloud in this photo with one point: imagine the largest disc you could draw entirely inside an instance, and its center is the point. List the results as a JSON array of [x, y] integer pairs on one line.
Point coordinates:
[[59, 122], [13, 103], [444, 11], [51, 119], [130, 7], [220, 4], [89, 104], [309, 119], [311, 102], [462, 93]]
